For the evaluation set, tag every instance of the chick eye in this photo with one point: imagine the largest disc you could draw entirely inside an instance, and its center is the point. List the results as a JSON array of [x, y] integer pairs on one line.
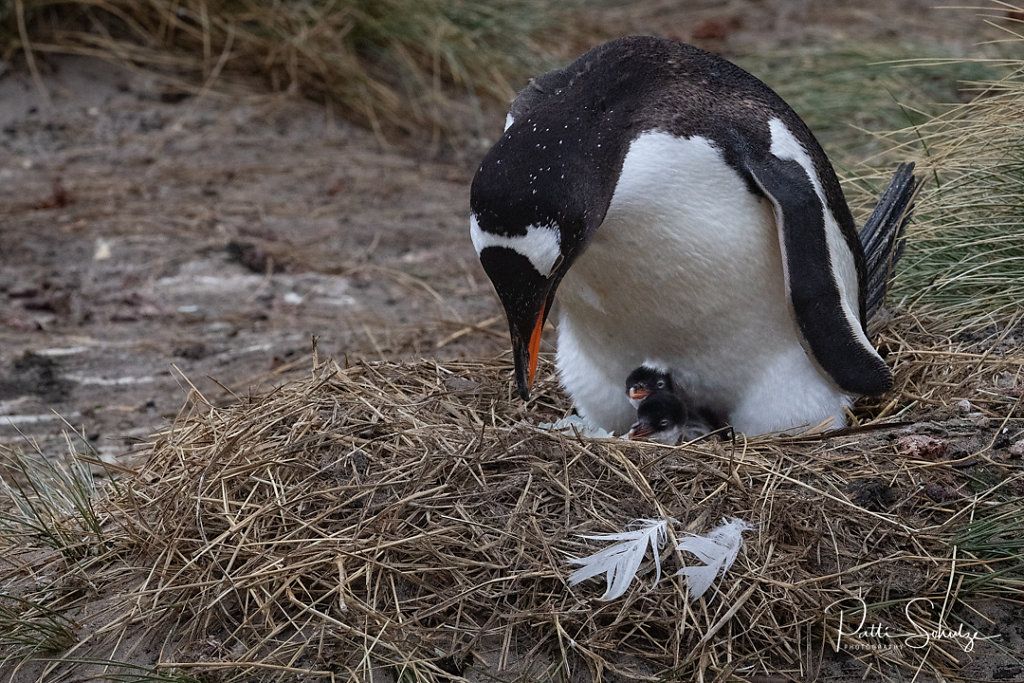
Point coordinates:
[[664, 423], [661, 384]]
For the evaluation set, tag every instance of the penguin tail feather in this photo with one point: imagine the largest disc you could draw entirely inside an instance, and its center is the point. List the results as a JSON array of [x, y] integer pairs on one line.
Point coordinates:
[[882, 235]]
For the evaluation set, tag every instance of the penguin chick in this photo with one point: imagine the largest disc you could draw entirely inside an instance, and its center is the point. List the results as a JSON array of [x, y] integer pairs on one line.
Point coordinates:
[[661, 417], [671, 418], [645, 380], [649, 379]]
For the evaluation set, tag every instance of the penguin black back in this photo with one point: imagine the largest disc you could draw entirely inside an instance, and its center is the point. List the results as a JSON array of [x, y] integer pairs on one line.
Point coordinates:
[[562, 154]]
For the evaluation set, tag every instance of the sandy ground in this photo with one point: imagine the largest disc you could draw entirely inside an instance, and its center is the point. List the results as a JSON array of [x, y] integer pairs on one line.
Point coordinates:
[[147, 238]]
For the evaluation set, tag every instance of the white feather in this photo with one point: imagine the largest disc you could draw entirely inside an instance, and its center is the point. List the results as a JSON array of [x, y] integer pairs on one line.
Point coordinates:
[[574, 424], [717, 550], [620, 561]]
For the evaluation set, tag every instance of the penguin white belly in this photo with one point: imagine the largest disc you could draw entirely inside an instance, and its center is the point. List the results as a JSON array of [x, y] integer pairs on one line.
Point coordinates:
[[686, 270]]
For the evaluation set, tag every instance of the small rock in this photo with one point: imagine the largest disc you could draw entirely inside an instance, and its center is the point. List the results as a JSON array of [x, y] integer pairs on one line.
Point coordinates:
[[940, 493], [1017, 449], [921, 446], [102, 250], [964, 406]]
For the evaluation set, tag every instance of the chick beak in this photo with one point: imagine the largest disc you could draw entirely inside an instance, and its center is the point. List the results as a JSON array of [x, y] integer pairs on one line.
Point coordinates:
[[639, 431], [639, 394]]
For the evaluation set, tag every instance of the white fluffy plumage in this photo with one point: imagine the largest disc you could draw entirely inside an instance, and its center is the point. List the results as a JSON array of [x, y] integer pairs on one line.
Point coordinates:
[[717, 550]]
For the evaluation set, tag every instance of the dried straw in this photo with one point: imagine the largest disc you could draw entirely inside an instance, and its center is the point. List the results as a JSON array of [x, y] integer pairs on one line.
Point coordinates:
[[408, 518]]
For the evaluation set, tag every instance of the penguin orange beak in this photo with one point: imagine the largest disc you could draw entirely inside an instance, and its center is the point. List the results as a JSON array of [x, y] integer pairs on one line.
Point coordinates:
[[526, 354], [535, 336], [527, 297], [639, 394]]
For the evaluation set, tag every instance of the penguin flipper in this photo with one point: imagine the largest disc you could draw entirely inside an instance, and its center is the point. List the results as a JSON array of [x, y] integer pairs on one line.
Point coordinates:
[[831, 330], [882, 235]]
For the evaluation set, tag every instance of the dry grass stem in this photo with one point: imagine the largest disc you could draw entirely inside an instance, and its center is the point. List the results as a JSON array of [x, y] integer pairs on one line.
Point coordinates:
[[390, 517]]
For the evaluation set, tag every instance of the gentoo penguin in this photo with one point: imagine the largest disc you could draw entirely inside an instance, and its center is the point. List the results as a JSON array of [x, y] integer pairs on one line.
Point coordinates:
[[649, 382], [683, 212], [661, 418], [645, 380]]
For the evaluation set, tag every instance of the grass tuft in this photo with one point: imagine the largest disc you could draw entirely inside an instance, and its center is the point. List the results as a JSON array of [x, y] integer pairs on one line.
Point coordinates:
[[964, 259], [389, 64], [50, 502], [31, 629], [994, 545], [846, 90], [966, 255]]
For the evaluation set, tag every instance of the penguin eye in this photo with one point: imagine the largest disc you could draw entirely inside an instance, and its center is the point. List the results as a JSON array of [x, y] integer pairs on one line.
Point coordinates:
[[664, 423], [558, 263], [661, 384]]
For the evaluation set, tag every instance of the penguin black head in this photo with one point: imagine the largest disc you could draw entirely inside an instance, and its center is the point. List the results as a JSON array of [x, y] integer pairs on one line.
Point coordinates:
[[542, 191], [646, 380], [530, 221], [526, 293], [661, 417]]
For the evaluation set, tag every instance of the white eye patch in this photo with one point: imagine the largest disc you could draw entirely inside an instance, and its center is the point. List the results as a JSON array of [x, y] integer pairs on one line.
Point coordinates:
[[541, 245]]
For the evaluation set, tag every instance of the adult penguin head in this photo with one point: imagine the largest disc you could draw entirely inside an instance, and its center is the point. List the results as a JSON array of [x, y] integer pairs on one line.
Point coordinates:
[[535, 206], [542, 191], [525, 262]]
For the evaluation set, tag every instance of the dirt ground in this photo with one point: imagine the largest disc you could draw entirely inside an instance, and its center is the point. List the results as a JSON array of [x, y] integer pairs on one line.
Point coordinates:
[[148, 238], [152, 240]]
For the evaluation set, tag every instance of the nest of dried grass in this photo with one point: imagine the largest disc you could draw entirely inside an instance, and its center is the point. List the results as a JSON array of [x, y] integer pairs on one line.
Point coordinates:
[[408, 520]]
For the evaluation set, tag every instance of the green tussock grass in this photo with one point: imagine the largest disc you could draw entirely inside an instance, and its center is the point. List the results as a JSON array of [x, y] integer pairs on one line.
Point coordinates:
[[30, 629], [992, 546], [872, 106], [848, 92], [389, 64], [966, 254], [49, 502]]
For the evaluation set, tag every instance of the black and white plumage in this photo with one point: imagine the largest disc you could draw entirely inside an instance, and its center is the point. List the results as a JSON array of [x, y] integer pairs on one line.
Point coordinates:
[[645, 380], [660, 417], [683, 213], [665, 411], [665, 418]]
